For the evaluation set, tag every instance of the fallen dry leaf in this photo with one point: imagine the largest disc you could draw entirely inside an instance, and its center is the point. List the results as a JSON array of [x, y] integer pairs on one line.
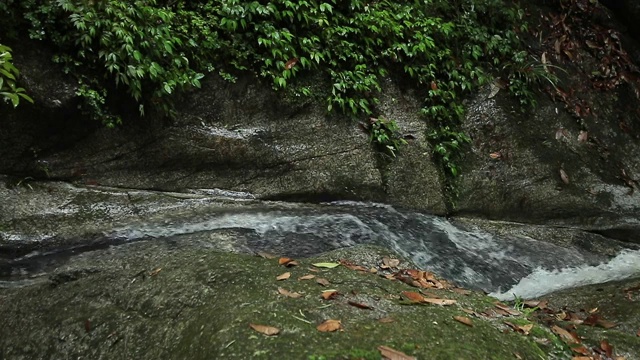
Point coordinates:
[[388, 262], [266, 255], [443, 302], [582, 358], [391, 354], [155, 272], [582, 350], [463, 319], [329, 294], [607, 348], [522, 329], [638, 333], [413, 296], [564, 176], [330, 326], [583, 136], [351, 266], [323, 281], [568, 337], [507, 309], [359, 305], [284, 276], [306, 277], [288, 262], [264, 329], [288, 293], [606, 324], [386, 320], [461, 291]]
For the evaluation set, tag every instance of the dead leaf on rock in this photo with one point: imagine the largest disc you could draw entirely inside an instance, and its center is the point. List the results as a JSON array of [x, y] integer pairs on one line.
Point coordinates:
[[330, 326], [288, 293], [568, 337], [461, 291], [443, 302], [329, 294], [284, 276], [266, 255], [564, 177], [582, 350], [607, 348], [413, 296], [323, 281], [388, 262], [307, 277], [522, 329], [463, 319], [391, 354], [359, 305], [155, 272], [351, 266], [386, 320], [264, 329], [288, 262], [583, 136], [507, 309]]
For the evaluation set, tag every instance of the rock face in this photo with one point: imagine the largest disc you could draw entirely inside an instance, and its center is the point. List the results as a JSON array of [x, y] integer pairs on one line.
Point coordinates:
[[238, 137]]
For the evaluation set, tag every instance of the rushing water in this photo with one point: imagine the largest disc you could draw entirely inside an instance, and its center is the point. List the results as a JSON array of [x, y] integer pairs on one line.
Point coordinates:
[[503, 266]]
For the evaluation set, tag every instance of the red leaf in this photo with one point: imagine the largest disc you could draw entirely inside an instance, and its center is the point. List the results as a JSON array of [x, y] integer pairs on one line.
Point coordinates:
[[291, 63], [606, 347]]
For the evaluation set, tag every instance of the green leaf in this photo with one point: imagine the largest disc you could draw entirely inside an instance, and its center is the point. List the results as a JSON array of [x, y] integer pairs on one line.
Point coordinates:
[[326, 265]]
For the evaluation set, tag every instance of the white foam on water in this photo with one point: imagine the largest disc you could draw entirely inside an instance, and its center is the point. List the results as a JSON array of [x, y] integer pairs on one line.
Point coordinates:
[[541, 282]]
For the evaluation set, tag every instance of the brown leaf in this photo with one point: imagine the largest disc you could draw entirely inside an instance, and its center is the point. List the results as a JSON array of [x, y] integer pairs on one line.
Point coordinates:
[[605, 324], [413, 296], [323, 281], [351, 266], [359, 305], [522, 329], [495, 155], [507, 309], [155, 272], [330, 326], [583, 136], [266, 255], [582, 350], [463, 319], [87, 325], [638, 333], [606, 347], [287, 262], [582, 358], [288, 293], [329, 294], [306, 277], [564, 176], [592, 44], [461, 291], [291, 63], [565, 335], [391, 354], [386, 320], [434, 86], [284, 276], [443, 302], [264, 329], [562, 134], [390, 263]]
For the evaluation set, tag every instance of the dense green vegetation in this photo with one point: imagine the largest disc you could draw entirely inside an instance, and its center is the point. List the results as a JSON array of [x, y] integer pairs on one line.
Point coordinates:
[[9, 91], [157, 49]]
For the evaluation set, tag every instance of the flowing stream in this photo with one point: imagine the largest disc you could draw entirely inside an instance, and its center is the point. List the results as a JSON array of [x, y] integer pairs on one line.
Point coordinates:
[[502, 266]]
